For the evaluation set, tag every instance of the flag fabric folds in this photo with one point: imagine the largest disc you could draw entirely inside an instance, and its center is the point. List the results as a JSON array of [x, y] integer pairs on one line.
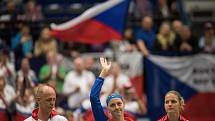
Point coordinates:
[[193, 76], [99, 24]]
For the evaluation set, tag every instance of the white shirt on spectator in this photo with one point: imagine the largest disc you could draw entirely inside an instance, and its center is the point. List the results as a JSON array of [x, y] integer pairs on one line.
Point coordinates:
[[9, 94], [83, 82], [3, 71]]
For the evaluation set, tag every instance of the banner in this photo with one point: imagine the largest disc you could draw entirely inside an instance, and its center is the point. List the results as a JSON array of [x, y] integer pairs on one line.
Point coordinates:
[[193, 76]]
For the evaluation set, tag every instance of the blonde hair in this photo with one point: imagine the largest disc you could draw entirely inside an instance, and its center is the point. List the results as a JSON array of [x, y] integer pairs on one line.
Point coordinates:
[[180, 99]]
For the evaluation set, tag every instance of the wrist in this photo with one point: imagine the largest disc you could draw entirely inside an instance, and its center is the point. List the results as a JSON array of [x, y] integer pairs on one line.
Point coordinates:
[[103, 73], [101, 78]]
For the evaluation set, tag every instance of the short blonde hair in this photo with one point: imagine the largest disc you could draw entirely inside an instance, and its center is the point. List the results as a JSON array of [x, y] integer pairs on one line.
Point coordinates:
[[40, 90]]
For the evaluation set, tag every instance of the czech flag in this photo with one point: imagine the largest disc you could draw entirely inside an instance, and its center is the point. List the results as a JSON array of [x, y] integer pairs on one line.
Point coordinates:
[[99, 24]]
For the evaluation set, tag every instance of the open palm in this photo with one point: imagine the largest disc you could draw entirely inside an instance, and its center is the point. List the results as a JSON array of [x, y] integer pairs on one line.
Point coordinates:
[[105, 67]]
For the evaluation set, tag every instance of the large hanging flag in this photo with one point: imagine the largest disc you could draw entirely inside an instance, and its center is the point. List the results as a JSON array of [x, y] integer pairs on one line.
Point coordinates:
[[99, 24], [193, 76]]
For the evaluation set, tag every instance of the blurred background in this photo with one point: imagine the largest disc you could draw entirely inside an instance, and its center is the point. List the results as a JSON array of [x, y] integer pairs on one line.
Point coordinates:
[[164, 45]]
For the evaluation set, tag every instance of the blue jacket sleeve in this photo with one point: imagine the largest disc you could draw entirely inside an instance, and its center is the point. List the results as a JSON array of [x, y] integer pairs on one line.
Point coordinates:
[[27, 47], [97, 108], [15, 41]]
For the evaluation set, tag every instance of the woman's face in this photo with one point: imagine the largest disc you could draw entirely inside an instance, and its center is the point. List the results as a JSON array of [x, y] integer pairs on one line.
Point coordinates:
[[172, 103], [116, 107], [45, 34], [165, 30]]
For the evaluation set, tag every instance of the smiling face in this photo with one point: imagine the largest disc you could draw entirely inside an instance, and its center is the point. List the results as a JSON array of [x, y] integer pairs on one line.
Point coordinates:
[[172, 103], [116, 107]]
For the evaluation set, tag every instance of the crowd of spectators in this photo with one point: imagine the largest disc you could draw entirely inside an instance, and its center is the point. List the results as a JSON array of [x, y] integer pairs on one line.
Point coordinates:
[[28, 59]]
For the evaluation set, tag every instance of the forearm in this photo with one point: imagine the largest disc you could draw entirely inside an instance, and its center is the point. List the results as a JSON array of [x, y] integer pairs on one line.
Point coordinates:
[[143, 48], [95, 101], [96, 89]]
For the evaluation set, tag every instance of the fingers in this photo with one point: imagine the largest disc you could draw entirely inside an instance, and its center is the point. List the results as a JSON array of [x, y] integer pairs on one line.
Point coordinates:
[[104, 62]]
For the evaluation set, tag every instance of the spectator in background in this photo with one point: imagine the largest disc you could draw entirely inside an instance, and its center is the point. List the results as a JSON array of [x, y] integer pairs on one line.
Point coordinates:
[[177, 26], [24, 105], [41, 48], [90, 65], [144, 7], [145, 37], [3, 43], [77, 84], [174, 105], [22, 43], [26, 77], [166, 10], [10, 12], [7, 97], [174, 10], [128, 43], [129, 34], [33, 11], [7, 68], [15, 1], [53, 72], [207, 41], [165, 39], [188, 42]]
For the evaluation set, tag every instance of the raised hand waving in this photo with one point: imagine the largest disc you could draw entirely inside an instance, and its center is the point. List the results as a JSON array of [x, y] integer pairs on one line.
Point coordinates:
[[106, 66]]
